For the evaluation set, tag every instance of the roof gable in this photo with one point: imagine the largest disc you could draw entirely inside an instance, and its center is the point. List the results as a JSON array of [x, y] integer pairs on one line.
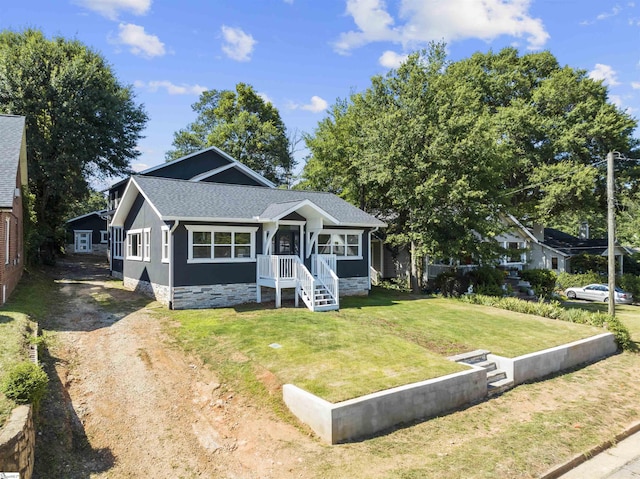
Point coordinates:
[[13, 157]]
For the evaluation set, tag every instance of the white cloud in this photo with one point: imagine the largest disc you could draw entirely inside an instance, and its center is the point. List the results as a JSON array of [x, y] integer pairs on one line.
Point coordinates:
[[316, 105], [616, 100], [111, 8], [140, 42], [239, 45], [171, 88], [391, 59], [265, 98], [420, 22], [635, 85], [614, 11], [137, 167], [606, 73]]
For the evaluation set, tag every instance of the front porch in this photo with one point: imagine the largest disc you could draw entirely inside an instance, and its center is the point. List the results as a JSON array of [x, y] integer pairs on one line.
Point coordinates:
[[318, 288]]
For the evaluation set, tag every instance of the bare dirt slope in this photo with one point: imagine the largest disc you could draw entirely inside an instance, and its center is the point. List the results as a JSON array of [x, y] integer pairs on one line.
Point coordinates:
[[127, 404]]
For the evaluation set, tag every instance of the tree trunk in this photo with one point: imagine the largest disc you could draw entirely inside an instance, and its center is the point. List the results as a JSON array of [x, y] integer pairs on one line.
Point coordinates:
[[413, 277]]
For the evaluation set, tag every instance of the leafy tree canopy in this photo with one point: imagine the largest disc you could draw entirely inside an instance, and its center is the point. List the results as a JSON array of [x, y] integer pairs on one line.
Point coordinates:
[[441, 149], [241, 124], [81, 122]]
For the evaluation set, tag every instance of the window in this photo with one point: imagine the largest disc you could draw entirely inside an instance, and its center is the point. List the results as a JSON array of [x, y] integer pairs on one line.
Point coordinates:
[[146, 244], [104, 236], [515, 254], [134, 245], [217, 244], [166, 234], [117, 235], [7, 224], [554, 262], [344, 244]]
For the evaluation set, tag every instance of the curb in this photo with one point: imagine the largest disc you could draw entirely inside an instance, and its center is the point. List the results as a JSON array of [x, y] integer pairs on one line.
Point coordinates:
[[557, 471]]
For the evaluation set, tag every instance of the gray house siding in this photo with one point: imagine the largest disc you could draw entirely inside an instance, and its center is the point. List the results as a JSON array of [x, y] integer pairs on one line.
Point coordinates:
[[234, 177], [193, 166], [199, 274], [146, 276]]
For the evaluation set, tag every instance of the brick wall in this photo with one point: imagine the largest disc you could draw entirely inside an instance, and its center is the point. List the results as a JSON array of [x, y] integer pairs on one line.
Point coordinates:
[[11, 266]]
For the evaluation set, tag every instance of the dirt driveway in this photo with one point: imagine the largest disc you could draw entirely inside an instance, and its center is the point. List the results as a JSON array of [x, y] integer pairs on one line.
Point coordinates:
[[125, 403]]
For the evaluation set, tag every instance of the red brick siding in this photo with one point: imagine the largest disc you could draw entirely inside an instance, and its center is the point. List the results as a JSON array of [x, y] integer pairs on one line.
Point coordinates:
[[11, 268]]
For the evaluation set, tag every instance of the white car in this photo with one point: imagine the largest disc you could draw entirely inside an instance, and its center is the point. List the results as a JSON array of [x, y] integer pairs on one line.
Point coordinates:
[[599, 292]]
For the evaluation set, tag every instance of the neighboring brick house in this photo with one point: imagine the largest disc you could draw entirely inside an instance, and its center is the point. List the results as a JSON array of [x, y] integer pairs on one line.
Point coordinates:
[[13, 180]]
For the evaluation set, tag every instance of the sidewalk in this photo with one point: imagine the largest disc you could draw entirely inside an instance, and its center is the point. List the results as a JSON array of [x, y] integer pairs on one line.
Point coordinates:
[[619, 462]]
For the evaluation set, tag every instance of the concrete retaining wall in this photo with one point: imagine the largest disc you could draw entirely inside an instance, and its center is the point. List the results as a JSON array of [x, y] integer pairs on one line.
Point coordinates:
[[18, 443], [542, 363], [367, 415]]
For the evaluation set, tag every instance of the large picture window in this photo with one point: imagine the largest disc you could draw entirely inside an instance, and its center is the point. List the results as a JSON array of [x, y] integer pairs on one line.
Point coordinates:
[[134, 245], [345, 244], [221, 244]]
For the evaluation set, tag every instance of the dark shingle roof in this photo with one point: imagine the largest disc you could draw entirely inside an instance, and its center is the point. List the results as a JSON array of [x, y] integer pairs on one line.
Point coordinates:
[[11, 131], [179, 199], [573, 245]]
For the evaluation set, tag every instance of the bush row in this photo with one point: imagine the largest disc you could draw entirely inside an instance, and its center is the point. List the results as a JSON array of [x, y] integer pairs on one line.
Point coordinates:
[[554, 310]]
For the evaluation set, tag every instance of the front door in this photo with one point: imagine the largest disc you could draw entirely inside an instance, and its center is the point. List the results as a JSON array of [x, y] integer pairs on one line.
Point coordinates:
[[82, 241], [286, 240]]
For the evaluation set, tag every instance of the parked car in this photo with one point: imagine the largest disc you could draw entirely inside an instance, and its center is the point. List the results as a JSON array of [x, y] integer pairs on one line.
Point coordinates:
[[599, 292]]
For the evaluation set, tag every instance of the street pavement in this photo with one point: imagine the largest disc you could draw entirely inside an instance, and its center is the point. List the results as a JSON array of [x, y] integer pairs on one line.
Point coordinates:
[[619, 462]]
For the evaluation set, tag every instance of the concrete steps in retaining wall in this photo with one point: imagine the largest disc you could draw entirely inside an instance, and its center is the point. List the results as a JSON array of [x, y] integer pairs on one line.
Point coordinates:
[[497, 380]]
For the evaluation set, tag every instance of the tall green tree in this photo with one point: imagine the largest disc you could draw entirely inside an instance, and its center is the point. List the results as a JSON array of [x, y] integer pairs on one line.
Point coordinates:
[[441, 150], [243, 125], [81, 122]]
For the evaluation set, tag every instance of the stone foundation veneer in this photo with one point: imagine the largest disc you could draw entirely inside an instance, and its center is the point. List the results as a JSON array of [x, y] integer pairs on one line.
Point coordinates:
[[157, 291], [213, 296], [353, 286]]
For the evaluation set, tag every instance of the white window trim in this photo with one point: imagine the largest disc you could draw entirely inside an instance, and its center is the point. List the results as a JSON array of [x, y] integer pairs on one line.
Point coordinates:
[[165, 234], [146, 244], [344, 232], [130, 235], [104, 236], [118, 242], [7, 237], [221, 229]]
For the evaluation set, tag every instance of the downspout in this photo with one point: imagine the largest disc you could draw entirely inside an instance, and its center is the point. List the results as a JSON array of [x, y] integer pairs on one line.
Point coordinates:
[[171, 262], [369, 256]]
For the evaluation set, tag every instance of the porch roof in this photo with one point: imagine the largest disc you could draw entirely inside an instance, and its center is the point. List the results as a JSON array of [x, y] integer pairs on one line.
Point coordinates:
[[201, 201]]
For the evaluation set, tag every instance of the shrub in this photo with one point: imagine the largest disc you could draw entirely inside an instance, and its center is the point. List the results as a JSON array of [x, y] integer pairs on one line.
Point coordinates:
[[585, 263], [631, 283], [553, 310], [25, 383], [487, 280], [543, 281], [451, 283], [566, 280]]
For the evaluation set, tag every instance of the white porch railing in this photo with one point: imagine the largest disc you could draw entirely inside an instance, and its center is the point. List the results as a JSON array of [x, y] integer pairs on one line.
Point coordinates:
[[328, 277], [319, 292], [331, 259], [277, 267], [306, 285]]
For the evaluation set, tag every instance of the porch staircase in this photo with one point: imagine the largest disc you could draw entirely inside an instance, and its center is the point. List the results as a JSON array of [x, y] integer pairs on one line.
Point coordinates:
[[497, 381], [318, 290]]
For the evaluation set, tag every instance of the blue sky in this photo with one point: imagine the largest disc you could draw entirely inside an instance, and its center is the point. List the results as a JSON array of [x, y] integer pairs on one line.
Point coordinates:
[[304, 54]]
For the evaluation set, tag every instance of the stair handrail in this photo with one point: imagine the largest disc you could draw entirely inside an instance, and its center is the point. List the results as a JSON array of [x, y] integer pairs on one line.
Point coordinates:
[[328, 278], [306, 284]]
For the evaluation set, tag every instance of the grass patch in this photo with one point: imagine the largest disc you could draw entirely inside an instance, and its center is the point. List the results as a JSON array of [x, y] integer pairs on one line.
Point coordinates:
[[371, 344], [30, 300]]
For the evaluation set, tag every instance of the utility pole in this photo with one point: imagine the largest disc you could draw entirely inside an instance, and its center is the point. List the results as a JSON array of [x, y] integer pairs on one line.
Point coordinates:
[[611, 229]]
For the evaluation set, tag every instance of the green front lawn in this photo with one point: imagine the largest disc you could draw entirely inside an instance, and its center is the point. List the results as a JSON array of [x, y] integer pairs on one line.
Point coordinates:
[[29, 301], [371, 344]]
